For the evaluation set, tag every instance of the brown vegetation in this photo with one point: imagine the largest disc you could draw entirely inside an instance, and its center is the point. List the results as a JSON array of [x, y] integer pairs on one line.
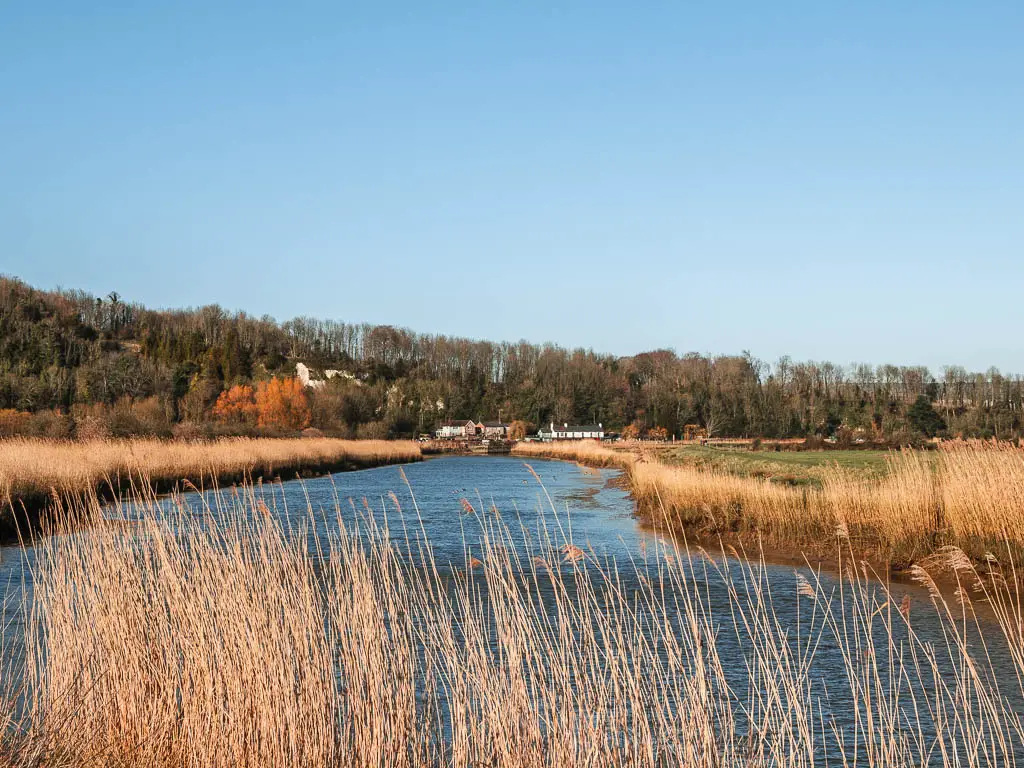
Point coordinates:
[[584, 451], [282, 404], [235, 646], [971, 496], [32, 472]]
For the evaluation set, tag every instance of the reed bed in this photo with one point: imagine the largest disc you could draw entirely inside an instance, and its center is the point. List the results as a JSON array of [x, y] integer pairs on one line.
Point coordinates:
[[892, 517], [227, 640], [970, 495], [588, 452], [32, 472], [982, 491]]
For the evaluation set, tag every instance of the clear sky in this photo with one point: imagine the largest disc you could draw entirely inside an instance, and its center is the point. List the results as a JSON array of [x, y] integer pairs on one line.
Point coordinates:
[[838, 181]]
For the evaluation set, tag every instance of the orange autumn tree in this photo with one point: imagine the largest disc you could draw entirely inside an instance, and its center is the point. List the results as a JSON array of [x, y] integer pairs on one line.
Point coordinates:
[[282, 404], [517, 430], [657, 433], [236, 406]]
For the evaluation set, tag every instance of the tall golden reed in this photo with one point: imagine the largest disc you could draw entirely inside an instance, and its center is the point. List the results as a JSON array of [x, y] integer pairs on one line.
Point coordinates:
[[42, 467], [970, 494], [224, 640]]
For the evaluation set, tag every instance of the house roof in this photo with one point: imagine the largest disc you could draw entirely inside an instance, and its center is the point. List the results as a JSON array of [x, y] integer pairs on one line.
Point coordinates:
[[579, 428], [457, 422], [493, 424]]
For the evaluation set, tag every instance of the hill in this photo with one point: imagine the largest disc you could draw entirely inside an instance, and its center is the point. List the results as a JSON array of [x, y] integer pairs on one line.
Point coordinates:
[[76, 364]]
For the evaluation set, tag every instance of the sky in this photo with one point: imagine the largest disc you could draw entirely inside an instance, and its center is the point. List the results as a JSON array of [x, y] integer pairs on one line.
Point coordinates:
[[840, 181]]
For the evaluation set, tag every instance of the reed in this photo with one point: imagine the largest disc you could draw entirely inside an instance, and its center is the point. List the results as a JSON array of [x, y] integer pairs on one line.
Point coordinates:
[[588, 452], [223, 640], [971, 495], [33, 472], [982, 493]]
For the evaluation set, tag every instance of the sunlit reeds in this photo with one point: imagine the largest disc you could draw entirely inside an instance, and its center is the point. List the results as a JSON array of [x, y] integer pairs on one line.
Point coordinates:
[[31, 470], [228, 640], [970, 494], [584, 451], [982, 490]]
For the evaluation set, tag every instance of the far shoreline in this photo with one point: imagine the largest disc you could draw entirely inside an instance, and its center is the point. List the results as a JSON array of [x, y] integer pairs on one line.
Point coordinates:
[[38, 477]]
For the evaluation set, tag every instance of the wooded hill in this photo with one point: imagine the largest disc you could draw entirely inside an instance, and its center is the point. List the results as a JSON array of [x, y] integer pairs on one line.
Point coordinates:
[[72, 363]]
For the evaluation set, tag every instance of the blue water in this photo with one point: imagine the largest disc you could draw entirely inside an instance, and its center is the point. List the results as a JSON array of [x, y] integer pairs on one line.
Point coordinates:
[[448, 500]]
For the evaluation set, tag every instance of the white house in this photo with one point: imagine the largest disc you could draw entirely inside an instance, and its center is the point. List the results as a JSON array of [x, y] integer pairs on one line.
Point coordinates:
[[568, 431], [457, 430]]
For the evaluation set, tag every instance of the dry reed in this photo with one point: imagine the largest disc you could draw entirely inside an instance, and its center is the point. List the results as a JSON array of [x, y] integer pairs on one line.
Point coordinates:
[[227, 642], [972, 496], [583, 451], [33, 471]]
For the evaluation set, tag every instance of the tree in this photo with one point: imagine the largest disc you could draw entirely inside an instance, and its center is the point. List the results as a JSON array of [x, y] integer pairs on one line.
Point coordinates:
[[657, 433], [236, 406], [924, 418], [114, 321], [517, 430], [282, 404], [630, 432]]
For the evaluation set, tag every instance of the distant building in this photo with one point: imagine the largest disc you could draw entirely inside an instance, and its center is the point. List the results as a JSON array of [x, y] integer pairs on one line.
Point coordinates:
[[568, 431], [458, 430], [494, 429]]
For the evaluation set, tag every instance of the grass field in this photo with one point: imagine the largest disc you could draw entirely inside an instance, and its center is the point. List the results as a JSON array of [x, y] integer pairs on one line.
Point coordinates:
[[785, 466]]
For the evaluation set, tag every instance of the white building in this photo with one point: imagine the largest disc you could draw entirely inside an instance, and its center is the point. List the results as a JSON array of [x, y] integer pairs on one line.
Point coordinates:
[[494, 429], [568, 431], [457, 430]]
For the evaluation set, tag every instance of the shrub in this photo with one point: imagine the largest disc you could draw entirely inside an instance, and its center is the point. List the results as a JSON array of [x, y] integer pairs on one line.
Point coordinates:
[[188, 432], [91, 422], [372, 430], [151, 417], [51, 425], [13, 423], [518, 429], [657, 433]]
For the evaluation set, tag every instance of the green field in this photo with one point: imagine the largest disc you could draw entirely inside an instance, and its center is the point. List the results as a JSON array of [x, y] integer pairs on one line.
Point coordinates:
[[794, 467]]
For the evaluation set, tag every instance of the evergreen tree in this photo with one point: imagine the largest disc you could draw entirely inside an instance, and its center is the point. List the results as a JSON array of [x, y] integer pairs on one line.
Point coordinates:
[[924, 418]]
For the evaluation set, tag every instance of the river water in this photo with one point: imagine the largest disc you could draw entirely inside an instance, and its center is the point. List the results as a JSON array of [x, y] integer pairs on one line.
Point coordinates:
[[587, 506]]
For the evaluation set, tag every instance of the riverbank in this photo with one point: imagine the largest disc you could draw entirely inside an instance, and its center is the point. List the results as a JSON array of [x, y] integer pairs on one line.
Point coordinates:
[[968, 495], [36, 473]]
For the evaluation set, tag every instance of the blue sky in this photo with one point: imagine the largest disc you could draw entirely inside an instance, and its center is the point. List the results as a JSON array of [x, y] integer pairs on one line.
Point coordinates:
[[838, 181]]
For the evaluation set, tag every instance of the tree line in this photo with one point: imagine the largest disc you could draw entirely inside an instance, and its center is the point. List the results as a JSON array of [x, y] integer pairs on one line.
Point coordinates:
[[72, 363]]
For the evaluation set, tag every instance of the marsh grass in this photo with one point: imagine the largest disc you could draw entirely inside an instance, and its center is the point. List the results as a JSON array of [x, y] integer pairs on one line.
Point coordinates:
[[35, 472], [230, 640], [968, 493]]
